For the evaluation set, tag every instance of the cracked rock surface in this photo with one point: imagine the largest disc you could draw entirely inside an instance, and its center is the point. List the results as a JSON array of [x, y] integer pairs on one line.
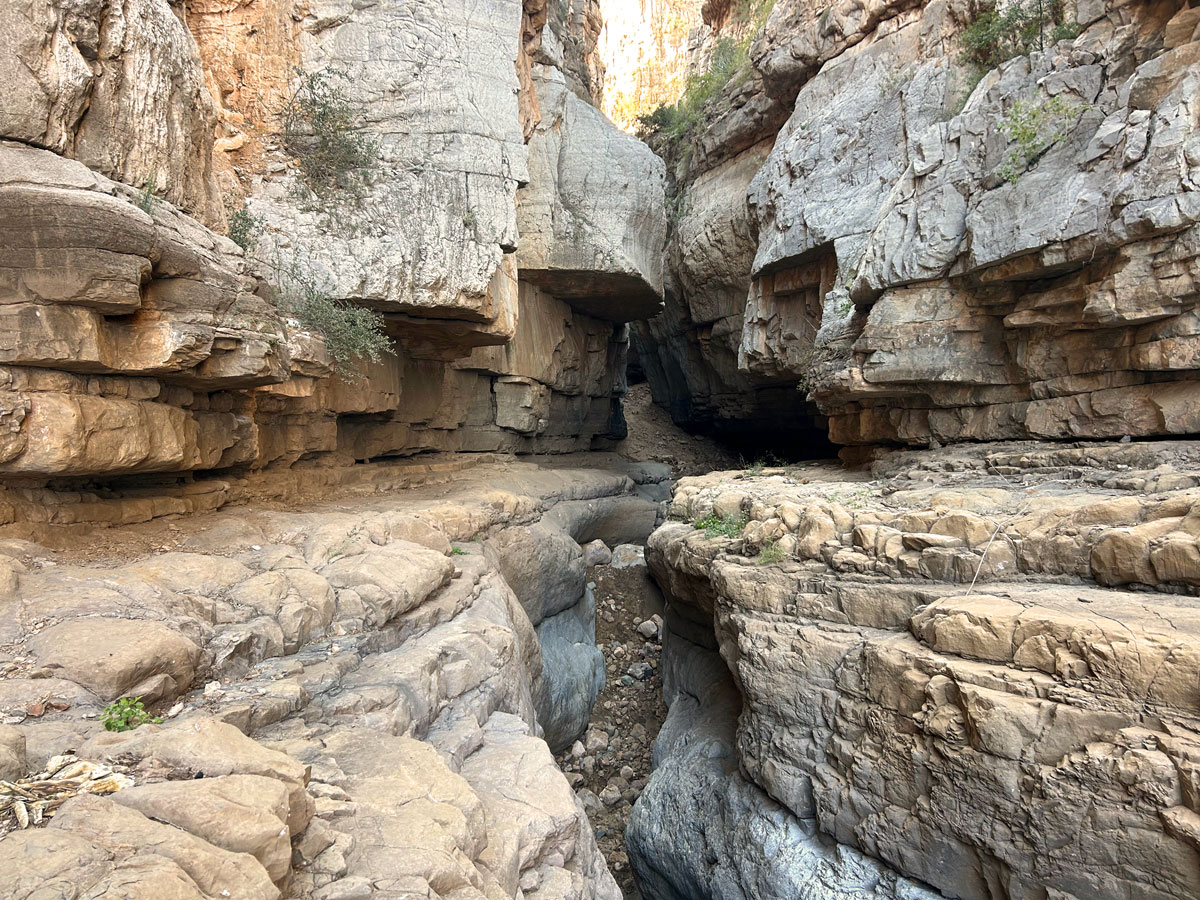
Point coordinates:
[[975, 665]]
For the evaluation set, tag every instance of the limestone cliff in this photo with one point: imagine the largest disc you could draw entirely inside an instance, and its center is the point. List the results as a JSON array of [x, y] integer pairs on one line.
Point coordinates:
[[645, 47], [933, 259], [360, 697], [505, 250]]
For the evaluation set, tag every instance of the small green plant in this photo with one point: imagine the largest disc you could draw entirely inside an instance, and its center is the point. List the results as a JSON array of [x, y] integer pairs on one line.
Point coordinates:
[[854, 499], [770, 553], [147, 198], [244, 228], [730, 59], [350, 332], [676, 121], [809, 363], [321, 130], [727, 525], [996, 35], [1065, 31], [127, 714], [755, 468], [1034, 126], [677, 204], [752, 13], [469, 221], [457, 551]]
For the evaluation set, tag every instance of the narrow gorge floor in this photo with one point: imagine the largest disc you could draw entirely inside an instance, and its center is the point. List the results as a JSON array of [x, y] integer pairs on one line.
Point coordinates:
[[610, 765]]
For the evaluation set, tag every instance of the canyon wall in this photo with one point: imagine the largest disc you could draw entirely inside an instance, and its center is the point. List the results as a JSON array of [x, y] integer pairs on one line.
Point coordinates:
[[969, 673], [323, 679], [506, 234], [645, 49], [932, 249]]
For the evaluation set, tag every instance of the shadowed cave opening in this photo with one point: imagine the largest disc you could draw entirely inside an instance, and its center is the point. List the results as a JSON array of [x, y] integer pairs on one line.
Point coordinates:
[[775, 422]]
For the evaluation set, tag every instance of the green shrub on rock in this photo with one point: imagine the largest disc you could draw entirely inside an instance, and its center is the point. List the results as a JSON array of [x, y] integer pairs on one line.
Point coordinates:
[[350, 332], [244, 228], [770, 554], [1033, 127], [722, 526], [321, 130], [997, 35], [127, 714]]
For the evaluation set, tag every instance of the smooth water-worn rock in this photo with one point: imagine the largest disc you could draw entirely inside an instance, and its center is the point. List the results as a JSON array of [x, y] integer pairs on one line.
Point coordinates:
[[351, 702], [702, 830]]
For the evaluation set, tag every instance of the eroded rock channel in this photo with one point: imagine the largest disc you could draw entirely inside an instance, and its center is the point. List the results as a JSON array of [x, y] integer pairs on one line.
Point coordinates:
[[373, 722], [952, 653], [413, 485]]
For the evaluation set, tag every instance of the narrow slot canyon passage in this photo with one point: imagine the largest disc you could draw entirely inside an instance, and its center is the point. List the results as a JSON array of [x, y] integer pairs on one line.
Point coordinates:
[[600, 450]]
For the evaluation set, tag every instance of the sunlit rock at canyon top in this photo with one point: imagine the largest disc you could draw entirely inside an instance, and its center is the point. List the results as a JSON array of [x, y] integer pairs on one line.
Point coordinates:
[[644, 46], [565, 450]]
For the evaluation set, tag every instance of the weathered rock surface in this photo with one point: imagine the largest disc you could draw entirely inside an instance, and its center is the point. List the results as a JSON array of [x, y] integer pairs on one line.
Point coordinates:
[[136, 340], [946, 668], [702, 830], [918, 271], [690, 351], [591, 219], [364, 703], [117, 86]]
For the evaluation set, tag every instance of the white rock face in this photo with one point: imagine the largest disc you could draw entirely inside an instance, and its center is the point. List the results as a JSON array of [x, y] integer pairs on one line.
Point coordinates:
[[438, 85], [117, 86], [591, 222], [152, 345], [702, 830], [925, 273]]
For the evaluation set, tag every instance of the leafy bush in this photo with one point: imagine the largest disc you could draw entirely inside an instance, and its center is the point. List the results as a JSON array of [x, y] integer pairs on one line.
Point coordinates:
[[727, 525], [995, 36], [1065, 31], [678, 119], [127, 714], [320, 129], [244, 228], [350, 332], [457, 551], [1034, 126], [809, 363], [894, 80], [770, 554], [730, 57]]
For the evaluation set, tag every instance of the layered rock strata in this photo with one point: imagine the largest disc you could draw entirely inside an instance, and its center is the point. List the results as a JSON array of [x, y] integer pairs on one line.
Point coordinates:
[[136, 340], [975, 667], [933, 253], [357, 703]]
